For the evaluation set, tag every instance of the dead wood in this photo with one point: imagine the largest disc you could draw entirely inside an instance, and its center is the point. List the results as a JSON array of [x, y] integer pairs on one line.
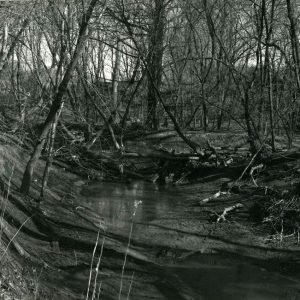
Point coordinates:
[[222, 217], [73, 137], [146, 153], [159, 135]]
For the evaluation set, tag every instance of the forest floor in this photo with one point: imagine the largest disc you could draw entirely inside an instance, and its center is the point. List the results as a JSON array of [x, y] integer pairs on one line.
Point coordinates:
[[46, 248]]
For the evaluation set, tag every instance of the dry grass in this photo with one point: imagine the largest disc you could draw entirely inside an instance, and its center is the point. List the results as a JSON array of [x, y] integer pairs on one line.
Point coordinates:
[[13, 284]]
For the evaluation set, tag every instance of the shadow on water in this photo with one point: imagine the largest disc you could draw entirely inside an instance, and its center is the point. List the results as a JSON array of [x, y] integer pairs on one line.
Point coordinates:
[[217, 278], [200, 276]]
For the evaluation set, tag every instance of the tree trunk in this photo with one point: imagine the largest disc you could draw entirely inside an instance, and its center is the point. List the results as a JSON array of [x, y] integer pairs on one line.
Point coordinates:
[[205, 119], [6, 55], [294, 40], [50, 153], [58, 99], [221, 111], [269, 31], [116, 75], [155, 63], [254, 140], [3, 52]]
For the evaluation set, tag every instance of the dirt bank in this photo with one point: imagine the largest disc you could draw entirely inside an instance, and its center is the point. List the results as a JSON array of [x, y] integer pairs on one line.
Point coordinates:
[[51, 243]]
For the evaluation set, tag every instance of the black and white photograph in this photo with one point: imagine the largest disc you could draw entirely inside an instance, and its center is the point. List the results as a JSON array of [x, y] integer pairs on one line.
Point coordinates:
[[149, 149]]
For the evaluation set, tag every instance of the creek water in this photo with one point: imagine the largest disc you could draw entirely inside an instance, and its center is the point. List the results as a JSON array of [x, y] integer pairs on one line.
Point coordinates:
[[116, 203], [200, 276], [218, 278]]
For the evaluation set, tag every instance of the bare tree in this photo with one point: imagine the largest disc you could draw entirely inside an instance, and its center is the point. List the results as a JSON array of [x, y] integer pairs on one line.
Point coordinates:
[[59, 97]]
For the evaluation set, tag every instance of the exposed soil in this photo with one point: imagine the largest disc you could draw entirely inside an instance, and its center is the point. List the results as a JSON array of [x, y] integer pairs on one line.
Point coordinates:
[[50, 244]]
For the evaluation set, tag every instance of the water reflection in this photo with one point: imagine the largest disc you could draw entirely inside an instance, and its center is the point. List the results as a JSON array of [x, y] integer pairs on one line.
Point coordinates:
[[198, 277], [115, 202], [223, 280]]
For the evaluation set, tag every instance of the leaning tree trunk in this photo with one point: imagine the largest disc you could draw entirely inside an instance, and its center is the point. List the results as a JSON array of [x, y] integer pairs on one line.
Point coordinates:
[[49, 161], [58, 99]]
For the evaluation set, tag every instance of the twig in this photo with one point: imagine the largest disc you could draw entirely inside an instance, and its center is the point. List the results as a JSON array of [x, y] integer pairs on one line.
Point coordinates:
[[14, 236], [97, 269], [131, 281], [99, 290], [136, 204], [248, 166], [93, 256], [258, 167], [125, 260], [215, 196], [227, 210]]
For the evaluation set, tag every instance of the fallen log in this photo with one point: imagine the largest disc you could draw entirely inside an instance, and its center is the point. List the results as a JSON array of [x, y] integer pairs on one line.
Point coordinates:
[[156, 154], [159, 135]]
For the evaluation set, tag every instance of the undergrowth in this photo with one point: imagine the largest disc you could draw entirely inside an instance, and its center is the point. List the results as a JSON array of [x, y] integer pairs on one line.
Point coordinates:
[[284, 216]]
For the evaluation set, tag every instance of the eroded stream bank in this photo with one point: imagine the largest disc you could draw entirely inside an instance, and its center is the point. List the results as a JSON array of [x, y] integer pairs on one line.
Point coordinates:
[[177, 249]]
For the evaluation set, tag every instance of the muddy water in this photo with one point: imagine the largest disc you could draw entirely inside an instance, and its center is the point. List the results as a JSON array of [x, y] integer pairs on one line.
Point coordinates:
[[218, 278], [141, 202], [209, 277]]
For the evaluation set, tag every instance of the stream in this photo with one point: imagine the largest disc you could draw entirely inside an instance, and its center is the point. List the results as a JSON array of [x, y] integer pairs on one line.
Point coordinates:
[[199, 276], [116, 203]]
